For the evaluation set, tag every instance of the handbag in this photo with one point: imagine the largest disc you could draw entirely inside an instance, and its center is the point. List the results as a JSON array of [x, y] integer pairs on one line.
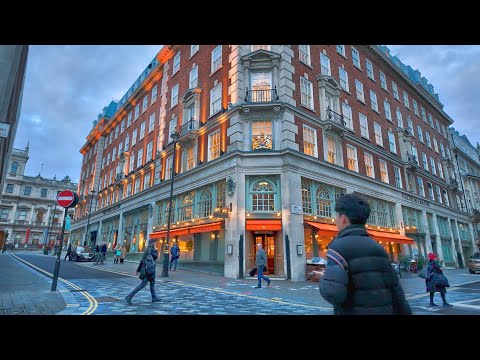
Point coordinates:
[[253, 272], [118, 253], [141, 276]]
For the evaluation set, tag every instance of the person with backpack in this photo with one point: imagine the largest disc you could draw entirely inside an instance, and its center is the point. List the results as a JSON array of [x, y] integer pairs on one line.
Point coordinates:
[[146, 272], [359, 278]]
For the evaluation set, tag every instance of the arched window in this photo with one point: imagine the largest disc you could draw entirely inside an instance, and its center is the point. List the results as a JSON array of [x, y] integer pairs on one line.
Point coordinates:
[[186, 207], [381, 213], [263, 196], [205, 203], [324, 200], [14, 168]]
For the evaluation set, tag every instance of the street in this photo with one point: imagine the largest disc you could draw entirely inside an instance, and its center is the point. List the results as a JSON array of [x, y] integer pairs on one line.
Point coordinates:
[[89, 289]]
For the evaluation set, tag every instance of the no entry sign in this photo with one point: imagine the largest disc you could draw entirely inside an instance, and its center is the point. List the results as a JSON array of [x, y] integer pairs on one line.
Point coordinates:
[[67, 199]]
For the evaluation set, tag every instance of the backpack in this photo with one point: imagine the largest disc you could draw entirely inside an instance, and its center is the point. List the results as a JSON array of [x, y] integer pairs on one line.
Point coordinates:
[[149, 264]]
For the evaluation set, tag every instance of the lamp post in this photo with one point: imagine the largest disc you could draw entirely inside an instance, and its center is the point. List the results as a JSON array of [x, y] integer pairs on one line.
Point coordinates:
[[92, 193], [175, 136]]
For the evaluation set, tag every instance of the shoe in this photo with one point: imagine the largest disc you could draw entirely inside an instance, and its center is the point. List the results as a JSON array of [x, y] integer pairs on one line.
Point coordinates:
[[258, 287], [156, 299], [268, 283], [447, 304], [128, 300], [433, 304]]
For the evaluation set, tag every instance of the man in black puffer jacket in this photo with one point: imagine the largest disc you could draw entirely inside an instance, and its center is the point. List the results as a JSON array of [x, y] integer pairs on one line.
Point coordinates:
[[359, 278]]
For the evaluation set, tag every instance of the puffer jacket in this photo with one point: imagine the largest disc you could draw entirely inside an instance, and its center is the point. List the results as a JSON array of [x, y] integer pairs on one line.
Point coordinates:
[[154, 252], [359, 278]]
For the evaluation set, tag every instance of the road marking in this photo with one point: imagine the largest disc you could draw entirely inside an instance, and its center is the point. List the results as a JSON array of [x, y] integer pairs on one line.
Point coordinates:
[[219, 290], [93, 304]]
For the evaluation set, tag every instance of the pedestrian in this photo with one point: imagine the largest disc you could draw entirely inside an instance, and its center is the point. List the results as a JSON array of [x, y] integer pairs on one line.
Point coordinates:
[[4, 247], [146, 271], [260, 262], [359, 278], [175, 252], [435, 281], [122, 255], [69, 249], [118, 252], [104, 251]]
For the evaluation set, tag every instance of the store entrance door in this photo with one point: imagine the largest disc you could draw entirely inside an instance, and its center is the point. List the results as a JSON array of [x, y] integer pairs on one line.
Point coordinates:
[[268, 244]]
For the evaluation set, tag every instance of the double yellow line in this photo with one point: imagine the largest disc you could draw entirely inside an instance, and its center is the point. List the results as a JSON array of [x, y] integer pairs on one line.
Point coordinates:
[[93, 304]]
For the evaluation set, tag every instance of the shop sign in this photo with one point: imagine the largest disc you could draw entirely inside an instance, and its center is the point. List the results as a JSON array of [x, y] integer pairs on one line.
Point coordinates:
[[415, 200], [297, 209], [4, 128]]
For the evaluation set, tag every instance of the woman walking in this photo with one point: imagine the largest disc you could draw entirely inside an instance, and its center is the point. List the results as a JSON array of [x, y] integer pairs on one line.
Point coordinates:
[[436, 281], [118, 253], [122, 255]]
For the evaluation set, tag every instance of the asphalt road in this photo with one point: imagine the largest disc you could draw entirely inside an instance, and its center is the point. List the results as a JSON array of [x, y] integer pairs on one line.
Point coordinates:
[[68, 269]]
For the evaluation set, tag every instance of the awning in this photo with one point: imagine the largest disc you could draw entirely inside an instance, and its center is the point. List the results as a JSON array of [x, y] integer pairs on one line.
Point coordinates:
[[188, 230], [174, 232], [260, 225], [324, 227], [389, 237], [205, 228]]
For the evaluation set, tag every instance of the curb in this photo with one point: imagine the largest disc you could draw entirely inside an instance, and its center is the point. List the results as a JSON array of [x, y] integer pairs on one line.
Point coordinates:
[[71, 304]]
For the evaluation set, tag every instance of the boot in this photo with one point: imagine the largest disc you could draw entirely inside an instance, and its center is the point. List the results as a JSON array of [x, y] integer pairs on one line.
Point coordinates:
[[444, 299], [128, 299], [431, 299]]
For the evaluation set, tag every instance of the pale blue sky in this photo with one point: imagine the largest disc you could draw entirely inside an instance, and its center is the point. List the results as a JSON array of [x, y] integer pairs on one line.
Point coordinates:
[[66, 87]]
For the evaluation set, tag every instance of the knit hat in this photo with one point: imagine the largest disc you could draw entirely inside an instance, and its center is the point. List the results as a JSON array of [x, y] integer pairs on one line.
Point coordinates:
[[432, 256]]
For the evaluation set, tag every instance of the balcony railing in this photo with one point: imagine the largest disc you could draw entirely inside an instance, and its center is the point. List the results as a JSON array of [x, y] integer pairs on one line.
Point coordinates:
[[476, 215], [412, 161], [335, 117], [266, 95], [189, 126], [453, 184]]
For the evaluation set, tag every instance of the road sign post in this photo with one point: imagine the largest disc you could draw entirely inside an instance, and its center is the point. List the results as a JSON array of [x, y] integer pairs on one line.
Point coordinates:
[[66, 199]]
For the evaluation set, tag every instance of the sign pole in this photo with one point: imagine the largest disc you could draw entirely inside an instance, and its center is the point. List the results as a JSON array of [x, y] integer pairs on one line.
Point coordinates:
[[59, 251]]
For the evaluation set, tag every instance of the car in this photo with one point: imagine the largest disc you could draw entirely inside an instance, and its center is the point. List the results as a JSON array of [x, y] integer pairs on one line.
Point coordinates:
[[474, 263], [81, 255]]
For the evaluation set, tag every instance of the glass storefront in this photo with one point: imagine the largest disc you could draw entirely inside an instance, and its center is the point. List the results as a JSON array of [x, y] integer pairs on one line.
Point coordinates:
[[135, 229], [110, 231]]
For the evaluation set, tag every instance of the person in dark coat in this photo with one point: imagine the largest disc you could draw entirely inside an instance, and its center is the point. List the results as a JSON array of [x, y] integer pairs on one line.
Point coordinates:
[[435, 281], [149, 277], [69, 251], [175, 252], [359, 278]]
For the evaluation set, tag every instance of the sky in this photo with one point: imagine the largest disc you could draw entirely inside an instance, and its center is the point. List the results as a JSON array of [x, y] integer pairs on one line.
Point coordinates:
[[66, 87]]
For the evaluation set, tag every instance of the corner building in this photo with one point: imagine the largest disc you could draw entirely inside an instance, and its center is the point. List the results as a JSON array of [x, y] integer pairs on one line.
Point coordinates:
[[270, 136]]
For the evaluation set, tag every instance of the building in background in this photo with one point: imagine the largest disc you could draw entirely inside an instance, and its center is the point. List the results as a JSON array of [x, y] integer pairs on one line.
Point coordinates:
[[269, 137], [466, 162], [13, 63], [28, 209]]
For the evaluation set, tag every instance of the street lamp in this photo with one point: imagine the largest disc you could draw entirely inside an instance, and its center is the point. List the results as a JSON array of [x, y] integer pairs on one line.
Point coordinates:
[[175, 136], [92, 193]]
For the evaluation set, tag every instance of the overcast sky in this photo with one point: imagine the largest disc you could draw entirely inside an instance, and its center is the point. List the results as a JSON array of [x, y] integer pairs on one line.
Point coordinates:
[[66, 87]]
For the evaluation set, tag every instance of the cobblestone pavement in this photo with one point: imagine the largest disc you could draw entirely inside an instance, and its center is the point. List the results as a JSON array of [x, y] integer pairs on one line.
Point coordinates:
[[187, 292]]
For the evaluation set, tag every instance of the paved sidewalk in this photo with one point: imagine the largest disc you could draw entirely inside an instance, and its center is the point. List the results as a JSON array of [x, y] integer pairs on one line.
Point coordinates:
[[25, 291]]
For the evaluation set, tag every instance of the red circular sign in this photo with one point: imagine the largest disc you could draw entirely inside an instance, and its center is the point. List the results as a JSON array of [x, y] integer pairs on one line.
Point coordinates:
[[65, 198]]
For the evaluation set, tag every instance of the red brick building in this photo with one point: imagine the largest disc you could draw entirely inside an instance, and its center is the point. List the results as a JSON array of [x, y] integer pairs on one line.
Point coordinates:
[[268, 137]]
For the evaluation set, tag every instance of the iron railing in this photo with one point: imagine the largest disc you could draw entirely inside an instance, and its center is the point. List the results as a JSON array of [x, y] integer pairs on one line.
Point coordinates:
[[335, 117], [412, 159], [266, 95], [187, 127]]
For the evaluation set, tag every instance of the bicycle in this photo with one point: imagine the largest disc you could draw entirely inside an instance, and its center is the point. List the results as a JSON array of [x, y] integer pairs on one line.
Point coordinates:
[[99, 258]]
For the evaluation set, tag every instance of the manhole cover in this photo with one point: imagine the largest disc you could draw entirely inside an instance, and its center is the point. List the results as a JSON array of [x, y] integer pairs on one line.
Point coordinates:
[[103, 299], [79, 290]]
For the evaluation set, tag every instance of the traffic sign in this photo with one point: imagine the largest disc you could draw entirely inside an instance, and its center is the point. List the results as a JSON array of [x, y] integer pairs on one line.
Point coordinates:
[[67, 199]]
